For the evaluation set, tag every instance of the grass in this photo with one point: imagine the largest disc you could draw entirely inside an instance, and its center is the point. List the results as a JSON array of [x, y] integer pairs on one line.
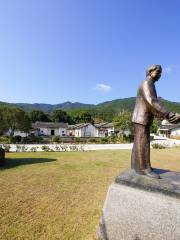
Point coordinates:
[[61, 195]]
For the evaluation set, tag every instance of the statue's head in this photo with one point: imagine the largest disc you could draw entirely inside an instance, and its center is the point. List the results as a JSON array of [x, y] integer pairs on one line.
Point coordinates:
[[154, 72]]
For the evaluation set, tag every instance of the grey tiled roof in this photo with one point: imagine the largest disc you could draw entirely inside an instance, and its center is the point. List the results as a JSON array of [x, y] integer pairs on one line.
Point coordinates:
[[49, 125], [169, 127], [104, 125], [76, 126]]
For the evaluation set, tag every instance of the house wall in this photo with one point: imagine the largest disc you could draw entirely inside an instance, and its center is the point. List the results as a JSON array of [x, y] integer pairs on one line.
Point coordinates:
[[87, 131], [78, 132], [110, 131], [70, 132], [102, 133], [57, 131], [163, 133], [19, 133]]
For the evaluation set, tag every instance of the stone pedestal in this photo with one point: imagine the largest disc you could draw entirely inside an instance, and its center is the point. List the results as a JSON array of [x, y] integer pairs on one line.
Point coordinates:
[[142, 208]]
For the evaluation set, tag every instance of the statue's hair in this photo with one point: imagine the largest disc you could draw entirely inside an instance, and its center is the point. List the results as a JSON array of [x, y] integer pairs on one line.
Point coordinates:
[[152, 68]]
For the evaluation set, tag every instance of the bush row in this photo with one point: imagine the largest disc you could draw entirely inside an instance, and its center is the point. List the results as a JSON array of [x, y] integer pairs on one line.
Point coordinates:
[[56, 139], [100, 140], [19, 139]]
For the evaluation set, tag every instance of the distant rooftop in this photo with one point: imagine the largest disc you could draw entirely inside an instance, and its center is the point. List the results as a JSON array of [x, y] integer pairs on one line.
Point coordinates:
[[49, 125], [79, 125], [104, 125], [169, 127]]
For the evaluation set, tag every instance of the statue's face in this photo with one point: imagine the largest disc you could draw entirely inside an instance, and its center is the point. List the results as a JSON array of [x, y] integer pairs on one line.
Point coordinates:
[[156, 74]]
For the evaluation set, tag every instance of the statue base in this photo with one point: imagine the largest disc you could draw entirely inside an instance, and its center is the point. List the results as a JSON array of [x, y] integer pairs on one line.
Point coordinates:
[[138, 207]]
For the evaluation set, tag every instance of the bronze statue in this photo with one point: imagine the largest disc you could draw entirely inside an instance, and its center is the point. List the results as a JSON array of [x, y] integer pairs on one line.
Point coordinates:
[[147, 106]]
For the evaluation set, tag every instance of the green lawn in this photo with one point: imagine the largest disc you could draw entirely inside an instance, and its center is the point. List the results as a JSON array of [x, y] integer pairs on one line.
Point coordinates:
[[60, 195]]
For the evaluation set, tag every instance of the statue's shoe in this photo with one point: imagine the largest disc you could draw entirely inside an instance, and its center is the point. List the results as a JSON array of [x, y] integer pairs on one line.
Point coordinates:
[[151, 174]]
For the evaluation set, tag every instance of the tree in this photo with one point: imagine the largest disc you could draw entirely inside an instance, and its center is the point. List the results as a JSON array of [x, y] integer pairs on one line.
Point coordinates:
[[155, 125], [38, 115], [25, 123], [59, 115], [3, 123], [14, 119], [123, 122], [103, 114], [81, 116]]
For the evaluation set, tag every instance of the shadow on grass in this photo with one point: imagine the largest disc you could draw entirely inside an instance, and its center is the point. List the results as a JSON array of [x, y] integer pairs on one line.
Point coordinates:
[[15, 162]]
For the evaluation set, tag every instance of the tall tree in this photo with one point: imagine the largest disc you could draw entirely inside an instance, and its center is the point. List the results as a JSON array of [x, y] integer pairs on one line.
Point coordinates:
[[15, 119], [59, 115], [81, 116], [3, 123], [123, 123], [105, 114], [38, 115], [155, 125]]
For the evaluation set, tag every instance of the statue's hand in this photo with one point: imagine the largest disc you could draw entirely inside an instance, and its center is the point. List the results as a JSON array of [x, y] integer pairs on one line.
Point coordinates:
[[173, 118]]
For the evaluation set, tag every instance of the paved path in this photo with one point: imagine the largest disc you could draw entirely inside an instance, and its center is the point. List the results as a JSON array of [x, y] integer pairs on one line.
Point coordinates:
[[107, 146]]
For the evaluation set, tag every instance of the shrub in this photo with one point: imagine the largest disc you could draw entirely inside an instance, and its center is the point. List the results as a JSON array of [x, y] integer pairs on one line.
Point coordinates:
[[57, 148], [112, 139], [6, 148], [73, 148], [80, 148], [93, 140], [18, 148], [4, 139], [158, 146], [15, 139], [104, 140], [55, 139], [24, 148], [46, 148], [33, 149], [32, 139], [128, 138], [64, 148], [77, 140]]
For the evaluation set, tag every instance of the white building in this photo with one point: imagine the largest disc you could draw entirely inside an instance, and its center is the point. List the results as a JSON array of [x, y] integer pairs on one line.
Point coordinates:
[[82, 130], [17, 133], [169, 130], [105, 129], [50, 129], [63, 130]]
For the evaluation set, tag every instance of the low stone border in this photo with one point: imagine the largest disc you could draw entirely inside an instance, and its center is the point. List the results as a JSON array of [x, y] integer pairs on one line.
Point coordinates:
[[77, 147], [62, 147]]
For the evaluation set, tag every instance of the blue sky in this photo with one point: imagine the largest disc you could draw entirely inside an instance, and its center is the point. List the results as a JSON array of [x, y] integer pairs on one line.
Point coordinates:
[[88, 51]]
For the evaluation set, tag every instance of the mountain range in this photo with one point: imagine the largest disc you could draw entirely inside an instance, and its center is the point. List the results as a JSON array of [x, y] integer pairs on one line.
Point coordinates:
[[117, 105]]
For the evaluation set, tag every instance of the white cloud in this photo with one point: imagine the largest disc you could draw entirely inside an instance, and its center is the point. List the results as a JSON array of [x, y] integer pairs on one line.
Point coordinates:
[[170, 68], [103, 87]]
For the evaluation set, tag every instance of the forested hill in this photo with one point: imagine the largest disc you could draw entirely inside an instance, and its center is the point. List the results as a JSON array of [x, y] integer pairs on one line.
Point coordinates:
[[124, 104], [115, 106], [50, 107], [118, 105]]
